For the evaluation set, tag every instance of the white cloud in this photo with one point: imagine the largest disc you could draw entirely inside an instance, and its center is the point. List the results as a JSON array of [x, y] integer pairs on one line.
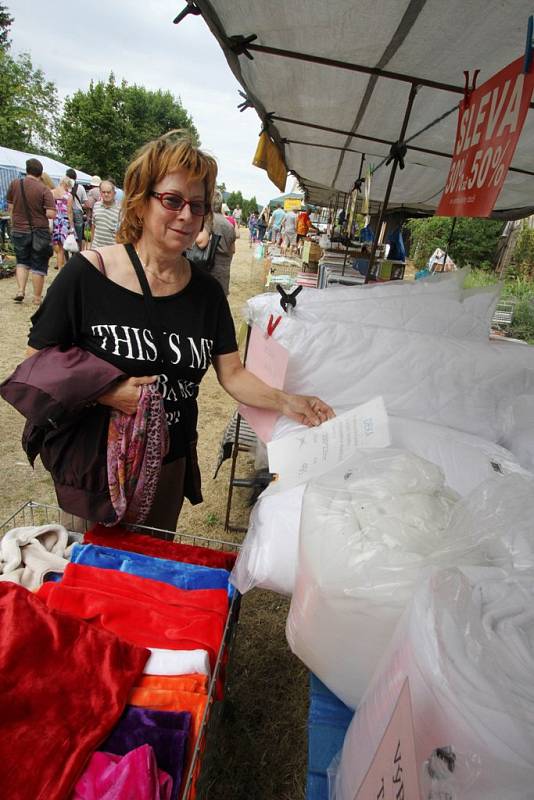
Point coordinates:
[[74, 42]]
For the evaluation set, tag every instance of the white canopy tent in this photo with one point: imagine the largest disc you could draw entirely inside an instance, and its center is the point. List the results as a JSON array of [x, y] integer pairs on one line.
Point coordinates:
[[16, 159], [321, 111]]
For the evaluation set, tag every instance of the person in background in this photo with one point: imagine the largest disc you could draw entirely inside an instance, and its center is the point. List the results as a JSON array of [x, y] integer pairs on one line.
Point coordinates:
[[41, 208], [4, 228], [97, 302], [253, 228], [303, 226], [225, 208], [93, 196], [79, 199], [237, 215], [220, 225], [289, 231], [275, 223], [263, 221], [64, 221], [47, 180], [105, 218]]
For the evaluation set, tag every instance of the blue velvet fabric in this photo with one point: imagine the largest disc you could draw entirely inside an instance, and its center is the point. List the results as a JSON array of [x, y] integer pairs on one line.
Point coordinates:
[[165, 731], [177, 573]]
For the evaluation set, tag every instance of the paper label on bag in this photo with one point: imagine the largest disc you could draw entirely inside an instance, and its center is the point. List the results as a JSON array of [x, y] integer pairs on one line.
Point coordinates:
[[312, 452], [266, 359], [393, 771]]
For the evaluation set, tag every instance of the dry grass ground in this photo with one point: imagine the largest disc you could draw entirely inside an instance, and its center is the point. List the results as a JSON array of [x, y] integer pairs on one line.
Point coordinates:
[[260, 750]]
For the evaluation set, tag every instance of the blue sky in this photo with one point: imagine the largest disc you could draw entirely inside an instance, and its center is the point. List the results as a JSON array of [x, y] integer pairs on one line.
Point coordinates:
[[74, 42]]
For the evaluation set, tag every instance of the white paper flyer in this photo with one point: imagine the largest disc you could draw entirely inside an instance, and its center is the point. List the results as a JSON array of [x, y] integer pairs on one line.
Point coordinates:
[[313, 451]]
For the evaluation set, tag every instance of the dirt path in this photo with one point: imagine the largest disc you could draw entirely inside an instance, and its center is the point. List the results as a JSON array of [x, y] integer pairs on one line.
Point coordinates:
[[261, 745]]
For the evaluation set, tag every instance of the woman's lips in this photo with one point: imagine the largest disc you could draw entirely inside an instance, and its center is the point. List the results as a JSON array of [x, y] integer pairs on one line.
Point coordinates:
[[182, 233]]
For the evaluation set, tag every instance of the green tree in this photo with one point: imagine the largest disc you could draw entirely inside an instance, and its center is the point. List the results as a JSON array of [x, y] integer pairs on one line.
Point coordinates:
[[235, 199], [28, 102], [5, 24], [101, 128], [474, 240]]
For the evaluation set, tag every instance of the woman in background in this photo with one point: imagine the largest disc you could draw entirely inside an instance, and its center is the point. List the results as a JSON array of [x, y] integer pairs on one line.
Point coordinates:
[[64, 221]]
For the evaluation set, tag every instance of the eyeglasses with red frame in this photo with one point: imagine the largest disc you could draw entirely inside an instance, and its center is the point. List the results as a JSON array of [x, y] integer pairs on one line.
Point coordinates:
[[175, 202]]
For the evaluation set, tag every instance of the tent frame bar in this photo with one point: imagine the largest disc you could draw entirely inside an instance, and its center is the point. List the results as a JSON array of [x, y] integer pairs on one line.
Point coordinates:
[[351, 67], [393, 172], [354, 135]]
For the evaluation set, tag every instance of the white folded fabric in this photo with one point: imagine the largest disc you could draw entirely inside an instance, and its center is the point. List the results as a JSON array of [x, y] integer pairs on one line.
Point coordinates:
[[177, 662], [28, 553], [466, 646]]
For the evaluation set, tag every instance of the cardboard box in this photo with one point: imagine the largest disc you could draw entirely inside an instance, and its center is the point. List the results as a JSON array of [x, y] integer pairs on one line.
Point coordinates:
[[387, 270], [310, 251]]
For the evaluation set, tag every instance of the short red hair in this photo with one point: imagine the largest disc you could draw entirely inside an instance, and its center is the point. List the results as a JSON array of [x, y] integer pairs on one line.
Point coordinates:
[[170, 152]]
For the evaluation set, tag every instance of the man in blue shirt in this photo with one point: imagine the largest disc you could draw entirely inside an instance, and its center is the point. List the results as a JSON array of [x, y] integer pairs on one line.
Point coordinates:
[[275, 224]]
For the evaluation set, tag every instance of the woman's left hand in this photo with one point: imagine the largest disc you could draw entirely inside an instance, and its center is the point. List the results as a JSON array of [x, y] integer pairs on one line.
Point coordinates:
[[310, 411]]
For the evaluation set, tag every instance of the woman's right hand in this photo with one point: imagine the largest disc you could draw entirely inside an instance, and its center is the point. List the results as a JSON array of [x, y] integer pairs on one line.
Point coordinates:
[[125, 395]]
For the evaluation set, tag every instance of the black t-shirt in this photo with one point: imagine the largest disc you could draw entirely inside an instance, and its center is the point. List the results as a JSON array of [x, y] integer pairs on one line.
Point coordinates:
[[85, 308]]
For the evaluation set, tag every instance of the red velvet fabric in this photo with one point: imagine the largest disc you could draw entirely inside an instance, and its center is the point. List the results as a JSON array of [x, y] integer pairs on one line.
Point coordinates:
[[64, 685], [151, 546], [141, 610]]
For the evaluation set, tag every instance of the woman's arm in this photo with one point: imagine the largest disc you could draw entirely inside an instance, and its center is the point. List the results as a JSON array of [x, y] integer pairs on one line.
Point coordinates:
[[245, 387]]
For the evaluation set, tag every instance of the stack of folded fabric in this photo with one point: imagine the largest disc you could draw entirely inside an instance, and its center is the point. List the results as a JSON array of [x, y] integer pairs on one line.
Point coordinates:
[[172, 599]]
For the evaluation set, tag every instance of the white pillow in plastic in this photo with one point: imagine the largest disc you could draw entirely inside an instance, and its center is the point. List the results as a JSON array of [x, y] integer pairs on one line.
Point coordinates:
[[479, 305], [324, 303], [365, 533], [462, 383], [519, 430], [365, 538], [466, 647], [268, 557], [465, 315]]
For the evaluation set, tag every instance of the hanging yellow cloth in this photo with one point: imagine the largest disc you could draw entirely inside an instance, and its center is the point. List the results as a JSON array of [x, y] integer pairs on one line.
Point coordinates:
[[269, 158]]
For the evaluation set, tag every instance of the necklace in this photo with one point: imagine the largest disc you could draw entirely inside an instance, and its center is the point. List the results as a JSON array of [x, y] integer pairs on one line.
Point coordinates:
[[151, 272], [170, 283]]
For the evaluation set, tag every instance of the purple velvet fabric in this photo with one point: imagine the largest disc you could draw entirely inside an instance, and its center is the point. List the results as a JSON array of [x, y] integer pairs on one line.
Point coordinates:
[[165, 731]]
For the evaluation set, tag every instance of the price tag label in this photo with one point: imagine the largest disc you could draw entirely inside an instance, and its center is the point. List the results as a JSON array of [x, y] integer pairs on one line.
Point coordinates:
[[489, 126], [393, 773]]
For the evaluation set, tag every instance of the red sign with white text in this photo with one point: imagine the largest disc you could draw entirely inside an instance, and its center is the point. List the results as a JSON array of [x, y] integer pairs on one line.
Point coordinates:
[[489, 126]]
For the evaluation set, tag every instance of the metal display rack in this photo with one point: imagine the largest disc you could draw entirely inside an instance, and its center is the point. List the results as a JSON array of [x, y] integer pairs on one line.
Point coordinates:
[[33, 513]]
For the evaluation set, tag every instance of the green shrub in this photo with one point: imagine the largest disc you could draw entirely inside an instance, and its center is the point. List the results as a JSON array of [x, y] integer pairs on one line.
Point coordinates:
[[522, 260], [521, 290], [474, 241], [522, 326]]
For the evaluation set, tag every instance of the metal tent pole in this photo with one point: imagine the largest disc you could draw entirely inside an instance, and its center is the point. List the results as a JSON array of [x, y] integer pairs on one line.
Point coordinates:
[[383, 208], [449, 242]]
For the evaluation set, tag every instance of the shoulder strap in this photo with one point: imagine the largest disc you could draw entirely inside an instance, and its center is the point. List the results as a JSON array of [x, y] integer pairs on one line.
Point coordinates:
[[74, 193], [101, 265], [150, 308], [25, 201]]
